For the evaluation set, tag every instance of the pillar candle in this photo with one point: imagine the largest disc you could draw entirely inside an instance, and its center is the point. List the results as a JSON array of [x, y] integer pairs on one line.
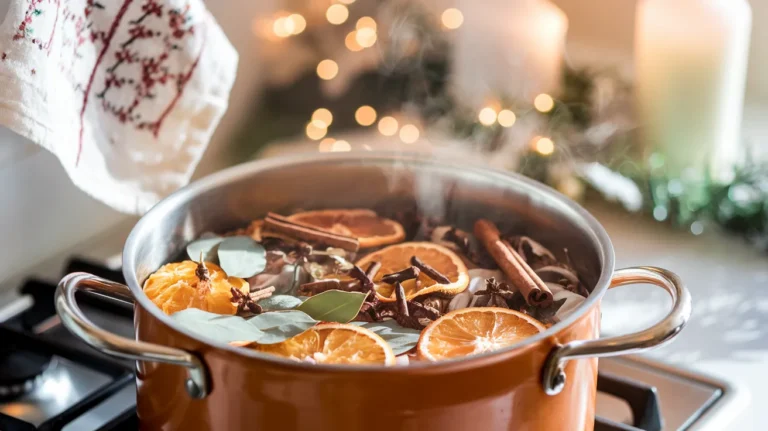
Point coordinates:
[[691, 63], [508, 48]]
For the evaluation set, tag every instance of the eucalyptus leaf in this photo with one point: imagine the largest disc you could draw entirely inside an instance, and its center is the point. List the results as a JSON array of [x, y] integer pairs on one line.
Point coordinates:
[[207, 246], [280, 302], [333, 306], [241, 256], [277, 326], [399, 338], [217, 327]]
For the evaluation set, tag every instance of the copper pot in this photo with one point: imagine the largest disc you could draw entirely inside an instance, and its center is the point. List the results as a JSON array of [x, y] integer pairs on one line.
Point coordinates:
[[548, 382]]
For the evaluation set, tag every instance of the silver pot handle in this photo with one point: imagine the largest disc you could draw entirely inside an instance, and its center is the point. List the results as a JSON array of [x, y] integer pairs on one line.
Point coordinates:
[[553, 374], [72, 317]]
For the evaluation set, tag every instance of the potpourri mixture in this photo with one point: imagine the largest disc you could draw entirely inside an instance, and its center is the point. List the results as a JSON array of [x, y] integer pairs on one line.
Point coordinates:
[[348, 286]]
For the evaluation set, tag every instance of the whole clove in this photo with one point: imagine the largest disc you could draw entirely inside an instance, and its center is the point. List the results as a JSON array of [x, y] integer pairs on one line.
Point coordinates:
[[398, 277]]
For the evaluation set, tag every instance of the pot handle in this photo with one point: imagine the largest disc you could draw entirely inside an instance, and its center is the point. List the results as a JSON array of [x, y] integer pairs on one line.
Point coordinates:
[[553, 374], [73, 318]]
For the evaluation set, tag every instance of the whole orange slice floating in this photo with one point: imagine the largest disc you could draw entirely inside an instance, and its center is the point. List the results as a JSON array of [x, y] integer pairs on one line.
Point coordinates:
[[398, 257], [332, 343], [176, 286], [471, 331], [365, 225]]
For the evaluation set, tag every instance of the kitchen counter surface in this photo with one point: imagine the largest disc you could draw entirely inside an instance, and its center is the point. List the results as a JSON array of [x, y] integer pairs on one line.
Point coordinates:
[[727, 335]]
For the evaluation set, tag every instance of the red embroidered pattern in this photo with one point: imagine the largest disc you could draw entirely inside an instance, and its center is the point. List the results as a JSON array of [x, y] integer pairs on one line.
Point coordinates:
[[126, 54]]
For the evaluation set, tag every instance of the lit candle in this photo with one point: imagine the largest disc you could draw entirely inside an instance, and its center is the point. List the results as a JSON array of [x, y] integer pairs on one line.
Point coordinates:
[[691, 62], [510, 48]]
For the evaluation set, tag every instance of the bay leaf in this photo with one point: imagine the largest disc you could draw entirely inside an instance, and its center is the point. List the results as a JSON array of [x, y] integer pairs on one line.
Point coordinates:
[[399, 338], [333, 306], [207, 245], [277, 326], [241, 256], [217, 327], [280, 302]]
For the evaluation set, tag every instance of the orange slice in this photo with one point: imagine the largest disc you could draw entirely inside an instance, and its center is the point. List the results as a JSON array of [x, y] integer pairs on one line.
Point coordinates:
[[471, 331], [332, 343], [398, 257], [174, 287], [365, 225]]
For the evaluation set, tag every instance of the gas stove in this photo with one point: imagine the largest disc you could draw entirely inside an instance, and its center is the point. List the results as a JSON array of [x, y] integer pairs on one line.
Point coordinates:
[[50, 380]]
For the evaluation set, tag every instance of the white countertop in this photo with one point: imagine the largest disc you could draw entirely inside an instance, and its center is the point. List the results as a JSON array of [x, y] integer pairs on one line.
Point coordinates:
[[727, 336]]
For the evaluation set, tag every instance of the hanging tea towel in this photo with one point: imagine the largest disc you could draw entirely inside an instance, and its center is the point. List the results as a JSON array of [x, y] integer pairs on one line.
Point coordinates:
[[126, 93]]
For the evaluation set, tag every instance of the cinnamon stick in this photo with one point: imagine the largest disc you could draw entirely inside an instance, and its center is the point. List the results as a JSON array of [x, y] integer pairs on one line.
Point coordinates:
[[306, 232], [521, 275]]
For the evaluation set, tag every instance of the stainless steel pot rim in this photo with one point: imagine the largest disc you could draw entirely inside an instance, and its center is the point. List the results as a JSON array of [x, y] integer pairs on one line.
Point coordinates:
[[565, 205]]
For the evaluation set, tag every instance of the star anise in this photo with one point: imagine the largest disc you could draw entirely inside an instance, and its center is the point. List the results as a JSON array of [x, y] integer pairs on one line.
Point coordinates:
[[500, 293], [247, 304]]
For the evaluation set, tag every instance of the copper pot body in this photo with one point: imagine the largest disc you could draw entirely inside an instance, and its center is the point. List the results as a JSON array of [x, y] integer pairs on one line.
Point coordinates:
[[497, 393], [513, 389]]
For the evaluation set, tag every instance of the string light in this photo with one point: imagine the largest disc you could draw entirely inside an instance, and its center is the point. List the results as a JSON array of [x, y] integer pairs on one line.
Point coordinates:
[[351, 42], [297, 22], [322, 118], [325, 145], [366, 37], [506, 118], [366, 22], [327, 69], [487, 116], [387, 126], [347, 1], [544, 102], [365, 115], [409, 134], [314, 133], [340, 146], [337, 14], [452, 18], [544, 145]]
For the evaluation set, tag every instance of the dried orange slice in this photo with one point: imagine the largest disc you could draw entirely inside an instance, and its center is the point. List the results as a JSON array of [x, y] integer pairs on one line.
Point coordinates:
[[332, 343], [365, 225], [398, 257], [471, 331], [176, 286]]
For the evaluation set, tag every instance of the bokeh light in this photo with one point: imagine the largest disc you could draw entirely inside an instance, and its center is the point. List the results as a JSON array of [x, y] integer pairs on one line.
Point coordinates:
[[322, 118], [314, 132], [340, 145], [351, 42], [487, 116], [366, 22], [325, 145], [409, 134], [327, 69], [452, 18], [388, 126], [506, 118], [337, 14], [544, 103], [365, 115], [365, 37], [544, 146], [296, 22]]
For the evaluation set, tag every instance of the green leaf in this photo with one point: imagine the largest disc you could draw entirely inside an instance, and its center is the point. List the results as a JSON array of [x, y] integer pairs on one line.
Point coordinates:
[[400, 339], [217, 327], [333, 306], [206, 245], [280, 302], [241, 256], [277, 326]]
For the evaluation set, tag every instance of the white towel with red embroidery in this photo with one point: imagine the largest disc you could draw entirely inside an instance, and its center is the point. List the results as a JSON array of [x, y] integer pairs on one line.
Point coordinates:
[[126, 93]]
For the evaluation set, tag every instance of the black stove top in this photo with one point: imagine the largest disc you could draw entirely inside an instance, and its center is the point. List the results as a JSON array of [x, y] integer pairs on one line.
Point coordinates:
[[50, 380]]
